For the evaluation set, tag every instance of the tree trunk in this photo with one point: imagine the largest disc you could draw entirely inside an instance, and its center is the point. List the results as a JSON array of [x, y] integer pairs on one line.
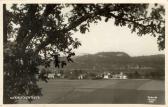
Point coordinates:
[[4, 24]]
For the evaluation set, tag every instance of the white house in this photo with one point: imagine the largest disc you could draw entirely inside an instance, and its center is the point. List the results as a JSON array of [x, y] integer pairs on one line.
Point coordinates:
[[51, 75], [121, 75], [80, 77], [106, 75]]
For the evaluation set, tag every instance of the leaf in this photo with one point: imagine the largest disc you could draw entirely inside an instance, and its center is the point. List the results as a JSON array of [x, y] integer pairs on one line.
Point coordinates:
[[106, 20]]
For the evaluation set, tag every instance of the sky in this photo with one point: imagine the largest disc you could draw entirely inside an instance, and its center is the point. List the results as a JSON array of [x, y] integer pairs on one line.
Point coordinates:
[[106, 37]]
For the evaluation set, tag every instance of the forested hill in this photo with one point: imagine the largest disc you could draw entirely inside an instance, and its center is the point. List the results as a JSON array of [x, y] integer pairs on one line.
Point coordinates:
[[116, 60]]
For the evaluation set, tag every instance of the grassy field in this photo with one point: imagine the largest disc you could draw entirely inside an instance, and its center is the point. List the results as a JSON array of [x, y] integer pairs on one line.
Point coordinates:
[[101, 92]]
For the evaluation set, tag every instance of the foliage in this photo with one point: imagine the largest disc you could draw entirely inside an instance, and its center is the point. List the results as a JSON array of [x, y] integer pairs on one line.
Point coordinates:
[[35, 32]]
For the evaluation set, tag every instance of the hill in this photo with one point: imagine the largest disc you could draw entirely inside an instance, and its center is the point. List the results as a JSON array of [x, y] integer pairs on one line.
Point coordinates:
[[150, 67], [116, 60]]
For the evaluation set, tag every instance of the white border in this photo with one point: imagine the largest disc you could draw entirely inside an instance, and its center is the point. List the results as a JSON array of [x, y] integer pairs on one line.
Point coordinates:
[[84, 1], [1, 54]]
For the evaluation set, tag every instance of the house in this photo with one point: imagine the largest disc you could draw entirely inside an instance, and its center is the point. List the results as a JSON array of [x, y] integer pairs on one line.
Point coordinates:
[[80, 77], [106, 75], [121, 75], [51, 75], [58, 74]]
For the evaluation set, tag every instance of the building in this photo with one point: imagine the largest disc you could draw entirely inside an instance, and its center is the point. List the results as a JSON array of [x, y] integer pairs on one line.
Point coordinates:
[[121, 75]]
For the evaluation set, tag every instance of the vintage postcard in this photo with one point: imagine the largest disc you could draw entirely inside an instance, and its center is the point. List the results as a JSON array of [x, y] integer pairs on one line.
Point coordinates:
[[69, 52]]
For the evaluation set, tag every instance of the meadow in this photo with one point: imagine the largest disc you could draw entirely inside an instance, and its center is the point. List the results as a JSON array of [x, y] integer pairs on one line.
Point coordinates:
[[130, 91]]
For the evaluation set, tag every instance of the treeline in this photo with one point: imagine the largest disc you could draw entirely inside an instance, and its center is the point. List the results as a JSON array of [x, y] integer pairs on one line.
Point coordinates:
[[75, 74]]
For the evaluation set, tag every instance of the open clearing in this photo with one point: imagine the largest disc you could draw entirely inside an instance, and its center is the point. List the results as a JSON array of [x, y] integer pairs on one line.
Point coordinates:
[[130, 91]]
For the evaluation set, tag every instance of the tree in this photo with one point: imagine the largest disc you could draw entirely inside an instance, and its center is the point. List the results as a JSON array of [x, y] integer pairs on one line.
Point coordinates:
[[32, 31]]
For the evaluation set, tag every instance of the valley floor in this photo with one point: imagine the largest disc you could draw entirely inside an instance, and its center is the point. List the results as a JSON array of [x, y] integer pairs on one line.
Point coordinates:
[[130, 91]]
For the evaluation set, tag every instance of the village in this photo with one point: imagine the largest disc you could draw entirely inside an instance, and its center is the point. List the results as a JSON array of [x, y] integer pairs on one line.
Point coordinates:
[[129, 71], [78, 74]]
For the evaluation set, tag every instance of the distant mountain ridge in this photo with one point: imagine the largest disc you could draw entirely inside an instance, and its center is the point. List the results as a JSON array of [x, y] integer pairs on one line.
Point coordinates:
[[111, 60]]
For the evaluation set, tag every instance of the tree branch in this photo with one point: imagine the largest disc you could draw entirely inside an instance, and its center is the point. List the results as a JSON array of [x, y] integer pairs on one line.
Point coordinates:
[[47, 11], [63, 31], [22, 33], [134, 22], [74, 24]]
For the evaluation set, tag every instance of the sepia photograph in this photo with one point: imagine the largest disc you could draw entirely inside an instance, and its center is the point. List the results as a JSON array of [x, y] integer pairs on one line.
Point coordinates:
[[84, 53]]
